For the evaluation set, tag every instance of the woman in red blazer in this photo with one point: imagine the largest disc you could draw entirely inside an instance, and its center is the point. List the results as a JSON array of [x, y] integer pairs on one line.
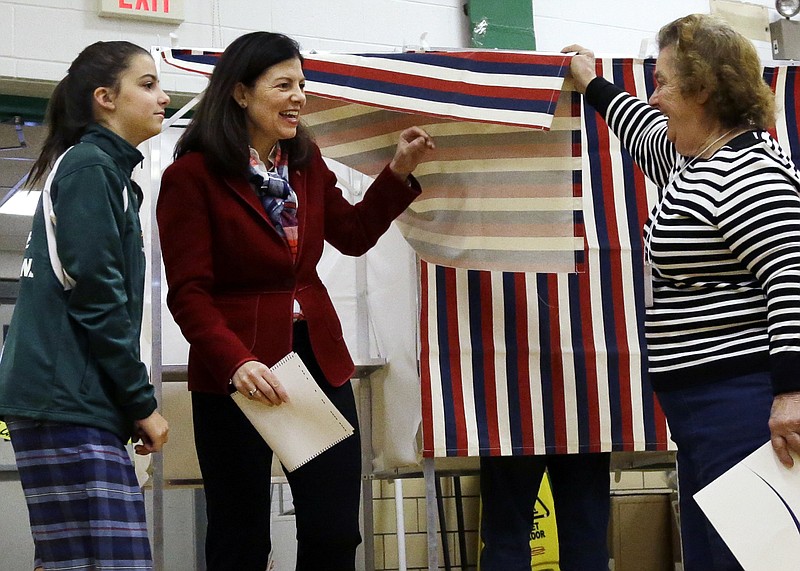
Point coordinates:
[[243, 213]]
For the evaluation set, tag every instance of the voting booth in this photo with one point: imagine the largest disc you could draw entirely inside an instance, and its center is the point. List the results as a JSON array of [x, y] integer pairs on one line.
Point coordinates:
[[503, 313]]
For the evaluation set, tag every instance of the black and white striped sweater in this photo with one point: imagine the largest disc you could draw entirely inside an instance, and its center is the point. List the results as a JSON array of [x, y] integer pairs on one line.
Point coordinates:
[[725, 251]]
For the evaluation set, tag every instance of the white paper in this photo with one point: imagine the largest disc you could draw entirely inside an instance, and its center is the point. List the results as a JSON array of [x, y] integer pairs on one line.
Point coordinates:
[[755, 507], [302, 428]]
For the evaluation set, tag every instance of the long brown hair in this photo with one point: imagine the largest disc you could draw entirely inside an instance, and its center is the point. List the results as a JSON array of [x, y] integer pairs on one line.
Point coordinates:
[[218, 128], [71, 108]]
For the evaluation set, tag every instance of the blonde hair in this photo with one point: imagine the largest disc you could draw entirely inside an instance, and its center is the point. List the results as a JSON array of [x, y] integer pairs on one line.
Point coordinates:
[[710, 55]]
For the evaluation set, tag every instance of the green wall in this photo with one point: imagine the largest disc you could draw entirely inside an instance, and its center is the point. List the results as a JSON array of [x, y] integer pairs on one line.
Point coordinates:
[[508, 24], [31, 109]]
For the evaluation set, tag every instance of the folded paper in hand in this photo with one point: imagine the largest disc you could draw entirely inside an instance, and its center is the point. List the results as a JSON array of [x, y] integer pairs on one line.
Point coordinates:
[[303, 428], [755, 507]]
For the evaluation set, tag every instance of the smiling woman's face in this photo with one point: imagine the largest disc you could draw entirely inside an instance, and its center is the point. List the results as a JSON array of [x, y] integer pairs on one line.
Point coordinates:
[[272, 105], [688, 123]]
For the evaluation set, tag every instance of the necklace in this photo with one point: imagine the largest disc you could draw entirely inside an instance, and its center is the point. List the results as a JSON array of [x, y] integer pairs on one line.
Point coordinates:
[[714, 142]]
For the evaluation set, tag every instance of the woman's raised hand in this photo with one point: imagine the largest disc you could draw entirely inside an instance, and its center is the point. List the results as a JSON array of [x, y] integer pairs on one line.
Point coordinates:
[[411, 148], [581, 66]]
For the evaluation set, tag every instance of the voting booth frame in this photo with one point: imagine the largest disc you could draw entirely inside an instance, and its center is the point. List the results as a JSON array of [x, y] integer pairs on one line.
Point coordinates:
[[157, 482], [154, 161]]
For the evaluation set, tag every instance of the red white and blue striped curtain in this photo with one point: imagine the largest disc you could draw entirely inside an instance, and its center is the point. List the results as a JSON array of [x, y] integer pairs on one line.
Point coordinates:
[[785, 82], [531, 363], [494, 86], [548, 362], [529, 238]]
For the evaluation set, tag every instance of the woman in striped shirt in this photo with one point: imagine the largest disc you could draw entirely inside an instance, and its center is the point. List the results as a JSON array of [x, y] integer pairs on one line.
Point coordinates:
[[722, 247]]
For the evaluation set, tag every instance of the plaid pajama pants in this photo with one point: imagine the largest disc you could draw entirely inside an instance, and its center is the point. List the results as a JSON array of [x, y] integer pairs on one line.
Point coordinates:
[[85, 506]]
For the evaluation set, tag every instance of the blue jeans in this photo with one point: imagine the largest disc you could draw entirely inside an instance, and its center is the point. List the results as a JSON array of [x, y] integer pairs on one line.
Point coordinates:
[[715, 426], [509, 487]]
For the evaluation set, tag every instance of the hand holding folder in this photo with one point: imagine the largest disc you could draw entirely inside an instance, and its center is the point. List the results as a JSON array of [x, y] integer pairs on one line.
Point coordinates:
[[303, 428]]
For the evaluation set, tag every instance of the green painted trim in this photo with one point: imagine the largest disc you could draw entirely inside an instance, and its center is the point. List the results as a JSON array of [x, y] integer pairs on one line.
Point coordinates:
[[31, 109], [506, 24]]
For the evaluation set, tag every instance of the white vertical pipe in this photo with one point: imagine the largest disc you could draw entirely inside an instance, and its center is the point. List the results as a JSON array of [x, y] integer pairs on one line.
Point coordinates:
[[401, 527], [154, 148]]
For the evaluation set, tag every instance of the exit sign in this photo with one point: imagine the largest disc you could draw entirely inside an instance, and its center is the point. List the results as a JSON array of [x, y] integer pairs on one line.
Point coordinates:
[[152, 10]]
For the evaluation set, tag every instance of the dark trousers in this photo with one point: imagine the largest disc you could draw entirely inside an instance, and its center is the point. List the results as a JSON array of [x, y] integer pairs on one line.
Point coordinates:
[[715, 426], [235, 463], [509, 487]]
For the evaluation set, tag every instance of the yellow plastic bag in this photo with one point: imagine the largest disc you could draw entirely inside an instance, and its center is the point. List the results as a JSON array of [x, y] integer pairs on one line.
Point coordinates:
[[4, 431]]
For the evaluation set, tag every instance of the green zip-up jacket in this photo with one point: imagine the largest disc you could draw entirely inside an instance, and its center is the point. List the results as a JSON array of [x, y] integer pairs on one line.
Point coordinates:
[[73, 356]]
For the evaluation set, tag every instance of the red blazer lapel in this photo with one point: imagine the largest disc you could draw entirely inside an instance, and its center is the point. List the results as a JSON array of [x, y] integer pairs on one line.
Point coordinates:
[[244, 191], [298, 181]]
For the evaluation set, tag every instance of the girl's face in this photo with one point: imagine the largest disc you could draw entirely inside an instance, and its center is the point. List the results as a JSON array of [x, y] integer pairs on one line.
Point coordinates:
[[137, 105], [272, 105]]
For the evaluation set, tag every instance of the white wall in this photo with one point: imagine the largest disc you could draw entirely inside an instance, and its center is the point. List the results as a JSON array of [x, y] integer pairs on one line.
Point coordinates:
[[617, 27], [38, 38], [611, 27]]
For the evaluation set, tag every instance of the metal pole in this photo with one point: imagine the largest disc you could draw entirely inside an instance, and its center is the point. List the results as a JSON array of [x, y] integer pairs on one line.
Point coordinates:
[[430, 509], [154, 146], [400, 523]]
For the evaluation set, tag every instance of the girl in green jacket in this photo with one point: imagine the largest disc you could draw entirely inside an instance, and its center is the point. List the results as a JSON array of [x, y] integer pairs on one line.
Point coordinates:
[[73, 388]]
